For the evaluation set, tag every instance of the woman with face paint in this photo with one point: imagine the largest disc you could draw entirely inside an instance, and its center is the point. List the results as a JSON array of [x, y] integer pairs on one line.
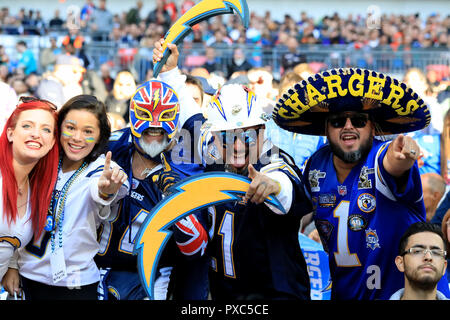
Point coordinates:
[[60, 264]]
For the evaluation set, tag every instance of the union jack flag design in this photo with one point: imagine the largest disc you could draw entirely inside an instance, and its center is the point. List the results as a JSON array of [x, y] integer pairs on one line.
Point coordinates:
[[154, 99], [190, 236]]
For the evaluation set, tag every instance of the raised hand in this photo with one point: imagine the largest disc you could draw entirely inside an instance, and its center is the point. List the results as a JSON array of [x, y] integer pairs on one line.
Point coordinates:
[[172, 61], [401, 155], [111, 179], [261, 186]]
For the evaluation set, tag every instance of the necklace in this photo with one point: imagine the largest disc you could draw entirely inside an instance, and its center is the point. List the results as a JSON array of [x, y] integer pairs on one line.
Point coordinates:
[[20, 189], [146, 172], [55, 220]]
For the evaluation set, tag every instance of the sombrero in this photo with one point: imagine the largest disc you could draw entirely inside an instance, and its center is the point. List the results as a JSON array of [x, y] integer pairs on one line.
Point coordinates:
[[394, 106]]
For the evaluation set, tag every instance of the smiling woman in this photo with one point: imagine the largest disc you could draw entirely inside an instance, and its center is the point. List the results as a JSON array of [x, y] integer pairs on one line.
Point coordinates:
[[60, 263], [28, 163]]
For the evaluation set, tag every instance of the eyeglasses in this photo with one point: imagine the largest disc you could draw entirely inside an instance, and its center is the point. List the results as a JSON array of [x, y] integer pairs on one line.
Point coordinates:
[[417, 252], [357, 120], [28, 99]]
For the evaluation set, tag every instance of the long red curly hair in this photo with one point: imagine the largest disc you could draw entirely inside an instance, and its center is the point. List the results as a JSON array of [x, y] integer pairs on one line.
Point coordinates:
[[42, 178]]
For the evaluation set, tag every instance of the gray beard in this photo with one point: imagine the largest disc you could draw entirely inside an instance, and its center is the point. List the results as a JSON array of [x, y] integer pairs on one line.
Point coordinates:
[[154, 148]]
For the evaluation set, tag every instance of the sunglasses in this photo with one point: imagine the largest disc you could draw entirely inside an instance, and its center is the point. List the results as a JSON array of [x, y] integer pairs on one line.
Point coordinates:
[[28, 99], [248, 137], [358, 121]]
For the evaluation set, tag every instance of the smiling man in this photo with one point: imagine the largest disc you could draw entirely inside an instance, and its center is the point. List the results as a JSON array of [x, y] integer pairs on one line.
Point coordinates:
[[156, 115], [422, 258], [366, 191]]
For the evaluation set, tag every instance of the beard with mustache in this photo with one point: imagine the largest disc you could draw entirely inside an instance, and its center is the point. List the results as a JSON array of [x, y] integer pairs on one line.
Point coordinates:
[[154, 148], [352, 156]]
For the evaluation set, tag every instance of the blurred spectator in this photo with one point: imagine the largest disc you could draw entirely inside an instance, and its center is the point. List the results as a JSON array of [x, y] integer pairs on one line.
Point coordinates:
[[116, 120], [92, 84], [27, 61], [87, 10], [108, 80], [64, 82], [32, 82], [417, 81], [4, 58], [101, 22], [20, 87], [48, 55], [159, 16], [212, 62], [73, 44], [195, 88], [445, 227], [292, 58], [186, 5], [261, 83], [433, 186], [171, 9], [134, 14], [56, 23], [239, 62], [118, 100]]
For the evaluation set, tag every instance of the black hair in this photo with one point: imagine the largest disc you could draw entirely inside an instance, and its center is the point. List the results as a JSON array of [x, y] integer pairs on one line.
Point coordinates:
[[419, 227], [96, 107]]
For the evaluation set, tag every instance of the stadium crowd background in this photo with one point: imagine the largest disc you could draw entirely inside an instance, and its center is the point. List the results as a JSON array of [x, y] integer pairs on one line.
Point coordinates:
[[114, 52]]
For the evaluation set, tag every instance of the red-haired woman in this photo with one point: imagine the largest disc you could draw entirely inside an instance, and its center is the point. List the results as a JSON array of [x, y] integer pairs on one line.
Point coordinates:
[[28, 171]]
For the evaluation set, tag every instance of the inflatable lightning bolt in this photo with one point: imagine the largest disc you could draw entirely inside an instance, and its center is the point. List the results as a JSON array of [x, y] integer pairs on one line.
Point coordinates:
[[201, 11], [194, 193]]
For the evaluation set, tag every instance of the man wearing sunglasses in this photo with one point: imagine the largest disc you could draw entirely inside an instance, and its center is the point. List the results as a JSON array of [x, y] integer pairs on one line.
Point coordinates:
[[422, 258], [366, 192], [254, 247]]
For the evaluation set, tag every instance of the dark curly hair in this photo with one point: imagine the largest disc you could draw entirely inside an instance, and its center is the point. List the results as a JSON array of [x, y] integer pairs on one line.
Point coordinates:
[[98, 108]]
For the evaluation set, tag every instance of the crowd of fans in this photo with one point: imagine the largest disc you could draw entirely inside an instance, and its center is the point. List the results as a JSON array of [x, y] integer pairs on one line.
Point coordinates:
[[134, 25]]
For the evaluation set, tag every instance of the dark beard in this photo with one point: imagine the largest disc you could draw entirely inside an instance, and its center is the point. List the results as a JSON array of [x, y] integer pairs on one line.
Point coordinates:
[[230, 168], [353, 156]]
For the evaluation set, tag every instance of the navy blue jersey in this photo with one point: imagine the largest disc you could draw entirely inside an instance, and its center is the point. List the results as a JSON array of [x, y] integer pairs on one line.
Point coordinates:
[[255, 251], [361, 222], [117, 234]]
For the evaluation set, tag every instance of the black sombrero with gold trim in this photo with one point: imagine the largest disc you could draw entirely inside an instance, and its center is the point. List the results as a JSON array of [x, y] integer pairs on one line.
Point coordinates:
[[394, 106]]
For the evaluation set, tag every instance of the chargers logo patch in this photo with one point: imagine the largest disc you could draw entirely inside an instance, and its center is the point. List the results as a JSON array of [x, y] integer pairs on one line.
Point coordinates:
[[366, 202], [372, 240]]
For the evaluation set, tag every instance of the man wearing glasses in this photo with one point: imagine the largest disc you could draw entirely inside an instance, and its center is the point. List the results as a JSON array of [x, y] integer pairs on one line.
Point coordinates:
[[366, 192], [422, 258]]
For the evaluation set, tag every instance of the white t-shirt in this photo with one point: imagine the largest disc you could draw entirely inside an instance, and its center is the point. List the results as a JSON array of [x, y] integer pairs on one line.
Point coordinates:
[[83, 211], [13, 236]]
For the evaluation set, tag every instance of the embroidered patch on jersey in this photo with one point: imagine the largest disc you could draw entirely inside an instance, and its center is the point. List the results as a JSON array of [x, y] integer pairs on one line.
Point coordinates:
[[134, 183], [372, 240], [327, 200], [356, 222], [342, 190], [364, 181], [314, 176], [366, 202], [325, 228]]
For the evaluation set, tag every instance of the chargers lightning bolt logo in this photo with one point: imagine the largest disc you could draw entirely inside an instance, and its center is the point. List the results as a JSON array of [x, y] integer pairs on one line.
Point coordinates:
[[201, 11], [193, 193]]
